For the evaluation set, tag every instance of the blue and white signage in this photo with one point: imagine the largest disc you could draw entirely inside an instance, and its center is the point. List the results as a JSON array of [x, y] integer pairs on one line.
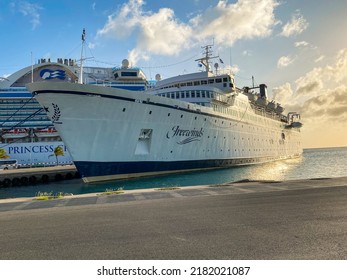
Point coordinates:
[[48, 74]]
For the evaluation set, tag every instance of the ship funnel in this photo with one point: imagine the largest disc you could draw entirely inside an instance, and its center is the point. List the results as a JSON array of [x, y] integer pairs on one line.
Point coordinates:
[[263, 91]]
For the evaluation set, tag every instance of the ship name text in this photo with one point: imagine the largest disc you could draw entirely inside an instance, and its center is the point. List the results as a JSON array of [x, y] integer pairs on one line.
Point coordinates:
[[191, 134]]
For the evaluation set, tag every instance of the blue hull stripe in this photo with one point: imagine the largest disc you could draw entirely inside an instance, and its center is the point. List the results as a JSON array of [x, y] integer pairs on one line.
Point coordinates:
[[93, 169]]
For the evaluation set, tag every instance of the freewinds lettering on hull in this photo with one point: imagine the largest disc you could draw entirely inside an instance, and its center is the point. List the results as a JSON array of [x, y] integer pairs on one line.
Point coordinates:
[[192, 135]]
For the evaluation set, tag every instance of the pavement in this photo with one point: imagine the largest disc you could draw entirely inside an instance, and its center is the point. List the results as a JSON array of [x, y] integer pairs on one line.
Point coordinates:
[[270, 220]]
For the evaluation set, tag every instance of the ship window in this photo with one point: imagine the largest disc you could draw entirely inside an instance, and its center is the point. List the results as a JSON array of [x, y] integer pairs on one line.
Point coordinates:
[[198, 94], [182, 94], [225, 79], [177, 95], [204, 82], [189, 84], [224, 84], [129, 74], [183, 84], [203, 95], [193, 94], [196, 83], [168, 95], [219, 80], [211, 81], [187, 94]]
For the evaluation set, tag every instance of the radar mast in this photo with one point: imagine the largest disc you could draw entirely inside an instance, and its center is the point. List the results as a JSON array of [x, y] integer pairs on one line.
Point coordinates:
[[207, 51]]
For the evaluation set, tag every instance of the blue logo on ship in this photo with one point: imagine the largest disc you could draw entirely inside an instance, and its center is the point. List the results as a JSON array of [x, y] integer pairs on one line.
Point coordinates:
[[48, 74]]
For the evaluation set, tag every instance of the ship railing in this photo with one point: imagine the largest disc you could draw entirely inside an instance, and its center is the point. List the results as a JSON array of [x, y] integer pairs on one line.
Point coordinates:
[[227, 100], [268, 114]]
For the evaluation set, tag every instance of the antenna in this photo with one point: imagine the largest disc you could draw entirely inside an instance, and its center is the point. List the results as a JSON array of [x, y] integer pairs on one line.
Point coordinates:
[[80, 80], [32, 67], [207, 51]]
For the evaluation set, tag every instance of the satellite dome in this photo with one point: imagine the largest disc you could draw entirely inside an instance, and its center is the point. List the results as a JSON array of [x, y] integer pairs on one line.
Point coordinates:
[[157, 77], [125, 63]]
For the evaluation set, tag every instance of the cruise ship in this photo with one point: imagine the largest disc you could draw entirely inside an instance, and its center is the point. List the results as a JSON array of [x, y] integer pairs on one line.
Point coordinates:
[[190, 122], [26, 133]]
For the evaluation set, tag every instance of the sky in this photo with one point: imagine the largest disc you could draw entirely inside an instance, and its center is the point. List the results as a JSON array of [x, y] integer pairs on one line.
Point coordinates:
[[297, 47]]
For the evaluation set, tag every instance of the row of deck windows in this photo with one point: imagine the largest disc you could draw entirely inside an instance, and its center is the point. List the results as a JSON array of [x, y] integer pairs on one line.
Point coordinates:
[[226, 81], [188, 94]]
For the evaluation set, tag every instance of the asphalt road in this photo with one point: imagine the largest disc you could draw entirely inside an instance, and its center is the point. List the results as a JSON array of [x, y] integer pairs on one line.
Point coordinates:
[[236, 221]]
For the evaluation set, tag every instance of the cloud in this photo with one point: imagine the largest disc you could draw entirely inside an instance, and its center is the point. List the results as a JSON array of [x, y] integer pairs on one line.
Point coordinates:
[[91, 45], [310, 83], [319, 58], [31, 10], [332, 105], [301, 44], [162, 33], [122, 23], [284, 61], [319, 95], [159, 33], [227, 23], [296, 26], [284, 94]]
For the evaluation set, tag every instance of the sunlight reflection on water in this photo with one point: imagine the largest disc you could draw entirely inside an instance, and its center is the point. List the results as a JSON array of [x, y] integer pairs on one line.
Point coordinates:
[[315, 163]]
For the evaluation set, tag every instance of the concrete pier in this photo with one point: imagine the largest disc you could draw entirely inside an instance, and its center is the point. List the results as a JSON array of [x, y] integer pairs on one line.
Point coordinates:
[[295, 220], [24, 176]]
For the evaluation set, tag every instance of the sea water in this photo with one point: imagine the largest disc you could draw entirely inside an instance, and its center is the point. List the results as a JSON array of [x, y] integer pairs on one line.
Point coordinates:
[[314, 163]]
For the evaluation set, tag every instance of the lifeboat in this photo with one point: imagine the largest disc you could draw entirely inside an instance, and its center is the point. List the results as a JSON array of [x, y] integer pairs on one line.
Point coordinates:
[[46, 132], [279, 109], [14, 133]]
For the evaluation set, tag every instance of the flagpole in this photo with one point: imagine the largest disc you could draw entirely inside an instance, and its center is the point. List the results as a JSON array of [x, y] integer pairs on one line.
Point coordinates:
[[81, 68], [32, 67]]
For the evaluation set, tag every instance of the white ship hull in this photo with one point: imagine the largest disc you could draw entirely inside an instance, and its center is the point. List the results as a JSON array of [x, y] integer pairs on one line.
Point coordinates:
[[114, 133]]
